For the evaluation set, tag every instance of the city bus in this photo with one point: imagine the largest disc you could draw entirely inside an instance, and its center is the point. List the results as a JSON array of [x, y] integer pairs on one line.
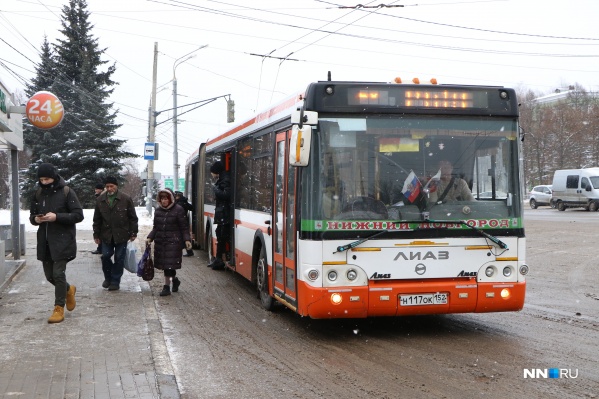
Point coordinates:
[[332, 211]]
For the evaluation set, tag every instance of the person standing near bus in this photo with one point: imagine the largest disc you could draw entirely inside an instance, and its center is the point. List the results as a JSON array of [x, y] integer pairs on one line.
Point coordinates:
[[182, 201], [55, 208], [169, 233], [222, 193], [97, 191], [115, 223]]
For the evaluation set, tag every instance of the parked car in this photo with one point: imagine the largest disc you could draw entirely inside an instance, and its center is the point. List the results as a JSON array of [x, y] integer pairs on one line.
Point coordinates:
[[541, 196], [575, 188]]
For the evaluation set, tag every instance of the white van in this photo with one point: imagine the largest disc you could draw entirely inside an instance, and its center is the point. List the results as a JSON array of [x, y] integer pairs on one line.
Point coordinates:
[[575, 188]]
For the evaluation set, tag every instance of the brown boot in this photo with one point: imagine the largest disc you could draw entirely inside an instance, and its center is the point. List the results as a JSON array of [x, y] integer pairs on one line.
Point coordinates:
[[71, 303], [57, 315]]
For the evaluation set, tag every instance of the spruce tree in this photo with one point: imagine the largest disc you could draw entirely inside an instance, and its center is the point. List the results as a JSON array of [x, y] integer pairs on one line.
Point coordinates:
[[82, 147], [36, 142]]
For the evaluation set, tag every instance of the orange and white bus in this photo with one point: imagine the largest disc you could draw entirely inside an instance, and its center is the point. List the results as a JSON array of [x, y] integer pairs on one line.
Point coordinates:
[[335, 211]]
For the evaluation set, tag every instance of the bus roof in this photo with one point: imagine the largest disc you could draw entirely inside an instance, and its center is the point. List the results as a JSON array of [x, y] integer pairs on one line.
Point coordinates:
[[342, 97], [277, 112]]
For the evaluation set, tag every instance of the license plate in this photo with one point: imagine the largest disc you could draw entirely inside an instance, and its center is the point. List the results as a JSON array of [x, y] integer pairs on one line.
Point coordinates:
[[423, 299]]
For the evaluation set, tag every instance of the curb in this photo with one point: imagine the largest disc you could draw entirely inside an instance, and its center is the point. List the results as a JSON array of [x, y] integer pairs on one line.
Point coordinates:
[[17, 266], [165, 376]]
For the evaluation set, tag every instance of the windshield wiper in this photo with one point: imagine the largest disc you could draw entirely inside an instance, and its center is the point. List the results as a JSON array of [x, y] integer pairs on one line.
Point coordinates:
[[496, 240], [354, 244]]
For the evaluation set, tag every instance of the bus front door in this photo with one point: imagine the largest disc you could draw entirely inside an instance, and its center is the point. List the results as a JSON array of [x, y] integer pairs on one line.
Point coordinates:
[[284, 236]]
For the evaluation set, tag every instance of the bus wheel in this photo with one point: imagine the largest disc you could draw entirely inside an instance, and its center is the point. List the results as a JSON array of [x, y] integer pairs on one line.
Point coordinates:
[[561, 206], [593, 206], [262, 281]]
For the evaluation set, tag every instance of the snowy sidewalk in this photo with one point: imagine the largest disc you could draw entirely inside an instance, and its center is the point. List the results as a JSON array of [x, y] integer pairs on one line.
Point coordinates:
[[110, 346]]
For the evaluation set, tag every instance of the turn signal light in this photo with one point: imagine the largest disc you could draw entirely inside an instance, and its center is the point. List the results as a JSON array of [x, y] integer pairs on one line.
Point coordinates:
[[505, 293]]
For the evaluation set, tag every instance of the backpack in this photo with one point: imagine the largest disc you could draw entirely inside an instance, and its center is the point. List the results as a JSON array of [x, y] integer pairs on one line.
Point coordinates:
[[38, 193]]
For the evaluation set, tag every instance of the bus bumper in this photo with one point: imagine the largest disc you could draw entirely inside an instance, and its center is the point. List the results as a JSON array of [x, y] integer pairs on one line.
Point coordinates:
[[386, 299]]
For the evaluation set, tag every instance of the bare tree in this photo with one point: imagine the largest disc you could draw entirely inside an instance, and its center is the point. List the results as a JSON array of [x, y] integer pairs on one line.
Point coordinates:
[[560, 134], [537, 141], [133, 182]]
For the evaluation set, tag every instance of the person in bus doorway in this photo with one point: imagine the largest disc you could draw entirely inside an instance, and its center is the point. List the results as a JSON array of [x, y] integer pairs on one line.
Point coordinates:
[[55, 208], [169, 233], [184, 203], [444, 186], [115, 223], [222, 193]]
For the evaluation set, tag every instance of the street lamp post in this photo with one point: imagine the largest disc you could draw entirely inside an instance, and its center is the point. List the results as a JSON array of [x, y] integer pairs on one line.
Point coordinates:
[[178, 62]]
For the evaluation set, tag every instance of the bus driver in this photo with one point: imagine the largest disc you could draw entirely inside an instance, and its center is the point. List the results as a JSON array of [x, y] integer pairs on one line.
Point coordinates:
[[448, 187]]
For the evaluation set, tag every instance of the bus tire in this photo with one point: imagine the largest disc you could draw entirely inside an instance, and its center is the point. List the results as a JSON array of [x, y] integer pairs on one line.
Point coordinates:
[[561, 206], [262, 280]]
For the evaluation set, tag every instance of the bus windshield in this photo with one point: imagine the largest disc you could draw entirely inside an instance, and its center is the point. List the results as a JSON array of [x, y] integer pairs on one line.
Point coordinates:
[[412, 168]]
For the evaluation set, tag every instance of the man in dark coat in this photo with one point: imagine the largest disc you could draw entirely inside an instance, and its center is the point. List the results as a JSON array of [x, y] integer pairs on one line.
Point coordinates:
[[97, 191], [115, 223], [222, 193], [181, 200], [55, 208], [169, 233]]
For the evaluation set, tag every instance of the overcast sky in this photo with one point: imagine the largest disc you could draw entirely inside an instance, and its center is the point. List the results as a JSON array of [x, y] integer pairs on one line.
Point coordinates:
[[540, 45]]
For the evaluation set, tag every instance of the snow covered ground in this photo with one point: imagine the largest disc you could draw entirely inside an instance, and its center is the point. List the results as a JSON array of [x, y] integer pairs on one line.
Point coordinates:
[[86, 224]]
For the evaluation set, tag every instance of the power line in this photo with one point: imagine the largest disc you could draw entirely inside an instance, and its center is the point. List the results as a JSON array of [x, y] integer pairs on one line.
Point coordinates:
[[481, 30]]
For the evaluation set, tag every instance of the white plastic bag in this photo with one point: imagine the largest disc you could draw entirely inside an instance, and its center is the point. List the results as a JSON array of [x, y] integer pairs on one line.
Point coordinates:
[[131, 257]]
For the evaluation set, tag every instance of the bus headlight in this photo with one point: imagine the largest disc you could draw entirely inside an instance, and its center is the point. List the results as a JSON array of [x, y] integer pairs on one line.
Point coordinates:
[[313, 274], [489, 271], [507, 271], [524, 270], [352, 274], [332, 275]]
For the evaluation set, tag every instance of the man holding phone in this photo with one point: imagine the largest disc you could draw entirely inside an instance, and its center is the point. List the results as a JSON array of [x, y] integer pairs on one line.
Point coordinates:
[[55, 208]]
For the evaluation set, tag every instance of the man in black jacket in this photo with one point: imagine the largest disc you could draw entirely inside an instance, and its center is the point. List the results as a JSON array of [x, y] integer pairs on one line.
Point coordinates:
[[115, 223], [97, 191], [55, 208], [222, 193], [184, 203]]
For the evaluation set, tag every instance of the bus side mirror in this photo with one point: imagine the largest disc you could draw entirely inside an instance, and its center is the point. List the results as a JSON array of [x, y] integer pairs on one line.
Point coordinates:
[[305, 117], [299, 145]]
